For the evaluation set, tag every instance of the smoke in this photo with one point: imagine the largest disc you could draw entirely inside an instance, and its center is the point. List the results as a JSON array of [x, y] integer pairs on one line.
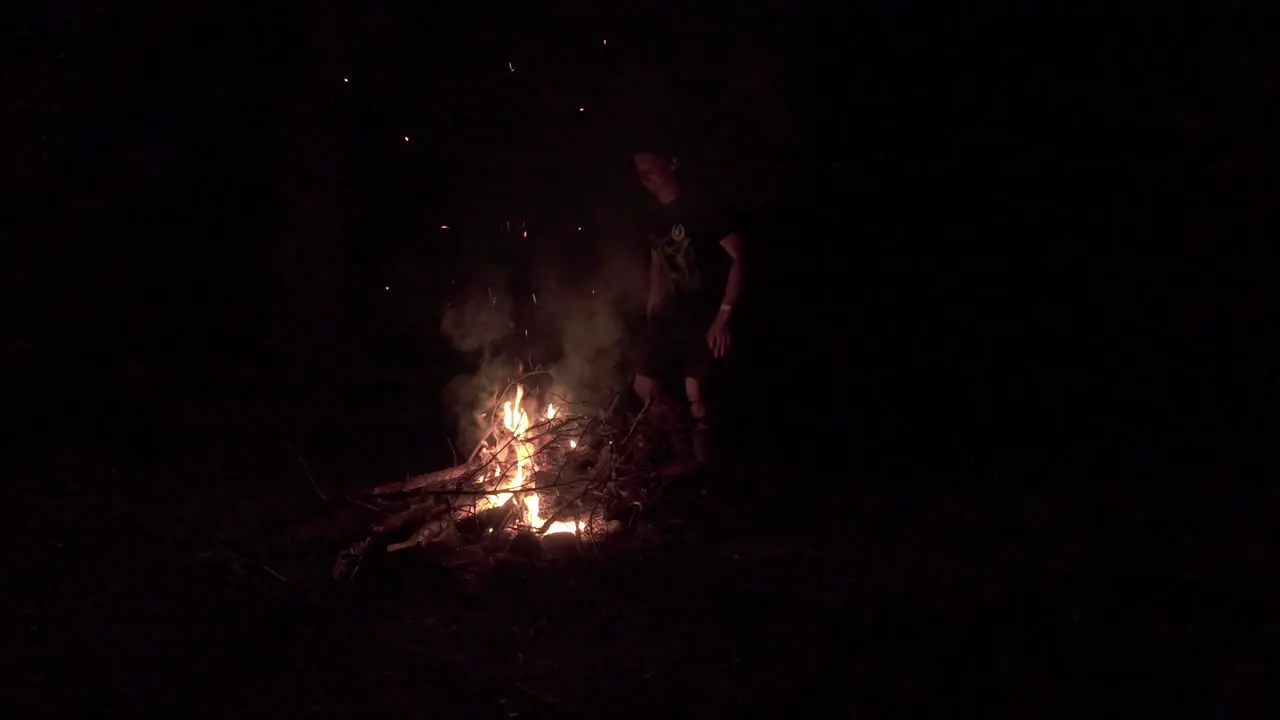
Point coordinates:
[[577, 325], [482, 315], [591, 315], [477, 322]]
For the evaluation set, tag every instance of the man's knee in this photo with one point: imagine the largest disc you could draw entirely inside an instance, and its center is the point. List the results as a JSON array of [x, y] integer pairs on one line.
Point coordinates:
[[693, 391], [644, 387]]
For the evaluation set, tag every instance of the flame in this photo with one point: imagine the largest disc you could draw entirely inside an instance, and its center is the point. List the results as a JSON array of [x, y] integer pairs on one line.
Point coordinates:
[[516, 421], [563, 526]]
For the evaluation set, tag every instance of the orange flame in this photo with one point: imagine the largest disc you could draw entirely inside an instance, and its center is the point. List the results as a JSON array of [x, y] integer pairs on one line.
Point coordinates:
[[516, 421]]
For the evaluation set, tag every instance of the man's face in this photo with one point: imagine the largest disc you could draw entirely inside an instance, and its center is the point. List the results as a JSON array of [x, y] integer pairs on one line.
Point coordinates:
[[657, 174]]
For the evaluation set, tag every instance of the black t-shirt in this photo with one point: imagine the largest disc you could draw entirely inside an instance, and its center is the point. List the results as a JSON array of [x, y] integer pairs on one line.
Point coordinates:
[[686, 235]]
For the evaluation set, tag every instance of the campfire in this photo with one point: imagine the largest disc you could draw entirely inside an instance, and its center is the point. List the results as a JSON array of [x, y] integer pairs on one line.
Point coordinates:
[[541, 468], [520, 448]]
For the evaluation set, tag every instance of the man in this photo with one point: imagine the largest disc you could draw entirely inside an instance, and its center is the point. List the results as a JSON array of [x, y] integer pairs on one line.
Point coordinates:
[[695, 278]]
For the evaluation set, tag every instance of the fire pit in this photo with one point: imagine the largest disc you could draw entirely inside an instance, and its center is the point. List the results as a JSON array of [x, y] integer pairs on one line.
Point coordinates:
[[541, 468]]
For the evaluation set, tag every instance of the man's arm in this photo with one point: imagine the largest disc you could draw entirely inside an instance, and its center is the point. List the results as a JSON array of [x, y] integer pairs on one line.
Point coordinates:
[[655, 282], [732, 244], [718, 336]]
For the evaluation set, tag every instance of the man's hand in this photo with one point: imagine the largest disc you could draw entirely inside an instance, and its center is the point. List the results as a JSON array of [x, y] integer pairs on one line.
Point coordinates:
[[718, 335]]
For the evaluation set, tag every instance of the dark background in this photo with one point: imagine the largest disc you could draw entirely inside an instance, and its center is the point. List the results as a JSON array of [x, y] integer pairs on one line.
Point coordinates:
[[996, 257], [936, 196]]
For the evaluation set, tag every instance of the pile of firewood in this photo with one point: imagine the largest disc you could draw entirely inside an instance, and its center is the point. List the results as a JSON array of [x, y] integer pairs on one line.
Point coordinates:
[[591, 469]]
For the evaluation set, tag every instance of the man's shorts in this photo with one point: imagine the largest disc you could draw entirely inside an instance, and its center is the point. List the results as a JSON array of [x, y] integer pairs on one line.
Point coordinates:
[[675, 346]]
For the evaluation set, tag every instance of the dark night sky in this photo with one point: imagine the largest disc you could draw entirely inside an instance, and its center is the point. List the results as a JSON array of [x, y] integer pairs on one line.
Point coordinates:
[[167, 154], [197, 179]]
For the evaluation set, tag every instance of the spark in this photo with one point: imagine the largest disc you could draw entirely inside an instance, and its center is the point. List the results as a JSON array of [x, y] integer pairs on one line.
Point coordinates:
[[387, 288], [512, 66], [526, 332], [606, 41], [526, 233], [444, 227], [535, 298], [582, 109], [346, 80], [579, 228], [406, 138]]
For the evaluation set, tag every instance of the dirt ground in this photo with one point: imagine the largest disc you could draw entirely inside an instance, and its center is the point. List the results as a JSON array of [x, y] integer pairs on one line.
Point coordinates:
[[133, 587]]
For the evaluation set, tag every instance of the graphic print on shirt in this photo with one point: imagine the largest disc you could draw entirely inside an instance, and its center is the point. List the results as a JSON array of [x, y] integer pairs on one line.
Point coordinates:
[[676, 251]]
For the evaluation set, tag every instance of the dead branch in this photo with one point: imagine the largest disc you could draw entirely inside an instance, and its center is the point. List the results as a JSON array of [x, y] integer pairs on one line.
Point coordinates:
[[424, 480], [400, 519], [307, 470], [429, 531], [236, 561]]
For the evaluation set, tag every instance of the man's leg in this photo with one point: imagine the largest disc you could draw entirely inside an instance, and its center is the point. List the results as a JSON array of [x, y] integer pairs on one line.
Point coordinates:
[[646, 387], [697, 406], [701, 424], [698, 367]]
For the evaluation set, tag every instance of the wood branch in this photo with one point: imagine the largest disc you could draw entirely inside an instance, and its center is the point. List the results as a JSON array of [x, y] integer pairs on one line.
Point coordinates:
[[400, 519], [426, 480], [436, 516], [332, 528], [429, 531]]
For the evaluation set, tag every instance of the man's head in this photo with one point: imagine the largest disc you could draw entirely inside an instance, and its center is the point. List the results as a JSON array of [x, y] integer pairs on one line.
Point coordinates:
[[657, 171]]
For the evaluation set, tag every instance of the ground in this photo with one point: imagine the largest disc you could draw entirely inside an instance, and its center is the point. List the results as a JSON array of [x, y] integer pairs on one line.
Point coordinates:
[[132, 589]]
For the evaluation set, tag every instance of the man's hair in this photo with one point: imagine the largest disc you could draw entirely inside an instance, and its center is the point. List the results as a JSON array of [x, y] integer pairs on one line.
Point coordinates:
[[657, 145]]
